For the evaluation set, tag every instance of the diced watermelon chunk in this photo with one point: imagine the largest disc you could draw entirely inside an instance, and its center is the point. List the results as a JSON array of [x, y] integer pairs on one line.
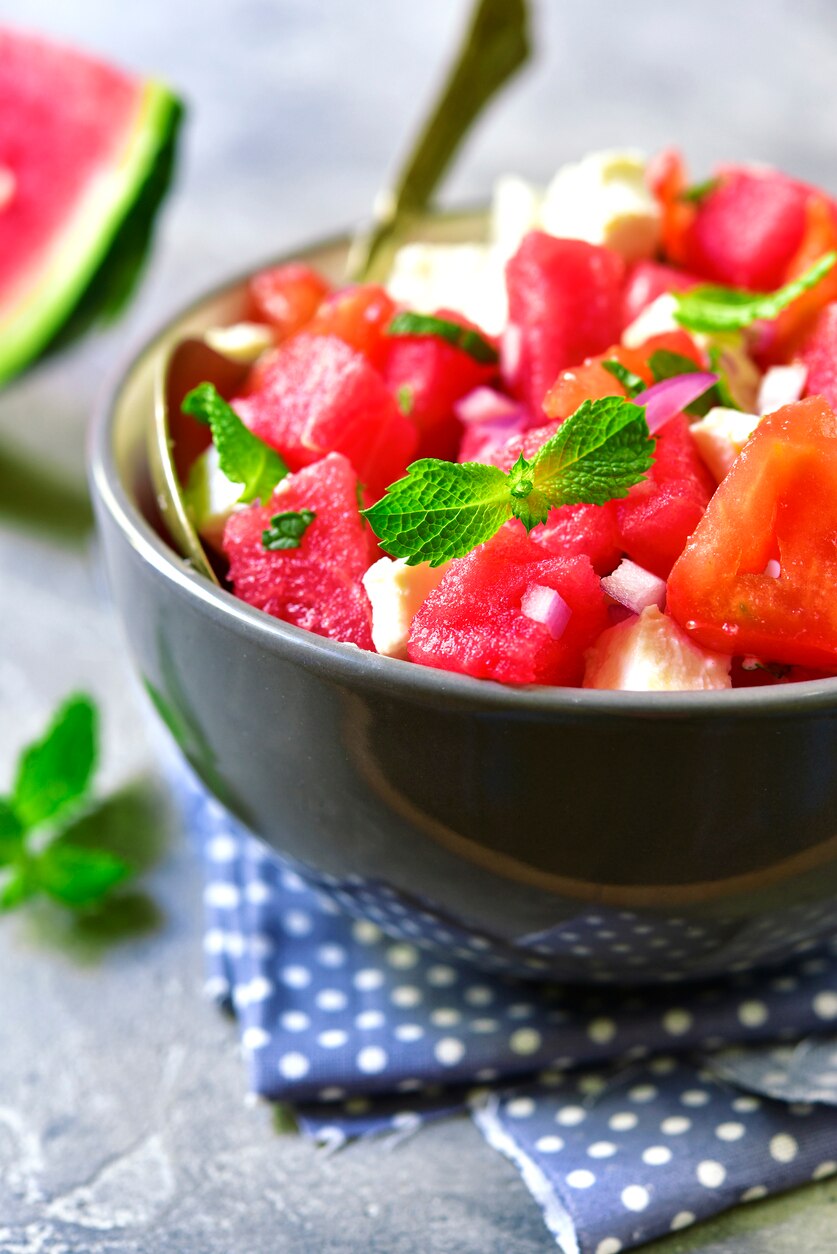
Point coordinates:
[[318, 585], [819, 353], [747, 229], [659, 514], [286, 297], [565, 304], [575, 530], [316, 395], [359, 316], [646, 281], [429, 375], [473, 621]]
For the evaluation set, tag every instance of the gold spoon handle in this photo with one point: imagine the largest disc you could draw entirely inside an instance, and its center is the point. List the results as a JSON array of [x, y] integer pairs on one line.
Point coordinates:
[[495, 46]]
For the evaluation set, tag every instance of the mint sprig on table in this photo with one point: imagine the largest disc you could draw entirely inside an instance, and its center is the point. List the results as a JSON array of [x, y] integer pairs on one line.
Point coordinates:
[[242, 456], [711, 308], [51, 784], [441, 510]]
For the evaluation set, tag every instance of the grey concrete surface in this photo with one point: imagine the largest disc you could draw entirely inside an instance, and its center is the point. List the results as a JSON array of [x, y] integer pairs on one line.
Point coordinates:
[[124, 1125]]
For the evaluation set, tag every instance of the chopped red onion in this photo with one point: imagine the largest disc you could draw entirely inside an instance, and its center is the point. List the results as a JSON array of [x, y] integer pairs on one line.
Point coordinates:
[[671, 396], [634, 587], [485, 405], [545, 605], [773, 569], [780, 386]]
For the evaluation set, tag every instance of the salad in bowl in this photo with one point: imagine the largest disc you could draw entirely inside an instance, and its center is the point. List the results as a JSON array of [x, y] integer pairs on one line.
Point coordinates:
[[596, 450]]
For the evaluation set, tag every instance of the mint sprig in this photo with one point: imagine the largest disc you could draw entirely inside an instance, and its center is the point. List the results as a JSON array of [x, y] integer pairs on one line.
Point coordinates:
[[441, 510], [710, 308], [697, 192], [242, 456], [631, 382], [51, 784], [428, 325]]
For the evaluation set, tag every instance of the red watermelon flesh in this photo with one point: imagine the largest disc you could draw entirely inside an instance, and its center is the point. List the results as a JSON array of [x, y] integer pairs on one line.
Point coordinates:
[[646, 281], [316, 395], [573, 530], [318, 585], [819, 353], [659, 514], [432, 375], [748, 228], [565, 304], [82, 145], [473, 621]]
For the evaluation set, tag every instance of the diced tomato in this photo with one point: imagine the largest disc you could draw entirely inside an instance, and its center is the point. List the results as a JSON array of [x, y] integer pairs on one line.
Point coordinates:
[[666, 176], [428, 375], [565, 303], [658, 515], [286, 297], [359, 316], [778, 503], [316, 395], [781, 338]]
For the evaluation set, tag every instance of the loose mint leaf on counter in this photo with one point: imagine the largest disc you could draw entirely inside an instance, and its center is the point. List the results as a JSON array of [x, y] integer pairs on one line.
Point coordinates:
[[52, 781], [470, 341], [442, 510], [286, 530], [242, 456], [631, 382], [55, 772], [710, 308]]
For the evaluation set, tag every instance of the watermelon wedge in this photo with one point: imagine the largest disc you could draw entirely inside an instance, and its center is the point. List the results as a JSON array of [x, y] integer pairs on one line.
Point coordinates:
[[86, 155]]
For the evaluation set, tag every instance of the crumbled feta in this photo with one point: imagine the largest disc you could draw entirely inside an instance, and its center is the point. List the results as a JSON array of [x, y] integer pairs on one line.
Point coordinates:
[[721, 435], [650, 653], [604, 199], [396, 591], [780, 386], [467, 278], [244, 341], [210, 496], [515, 210], [656, 319]]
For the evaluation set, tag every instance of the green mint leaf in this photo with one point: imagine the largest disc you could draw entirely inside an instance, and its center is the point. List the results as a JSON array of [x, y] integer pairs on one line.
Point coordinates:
[[11, 833], [441, 510], [286, 530], [406, 399], [54, 773], [665, 364], [709, 308], [699, 191], [596, 455], [466, 338], [78, 877], [722, 388], [16, 886], [631, 382], [243, 457]]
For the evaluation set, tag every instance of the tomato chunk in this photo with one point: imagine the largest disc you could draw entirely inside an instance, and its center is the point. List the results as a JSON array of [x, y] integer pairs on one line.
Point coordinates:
[[286, 297], [778, 504]]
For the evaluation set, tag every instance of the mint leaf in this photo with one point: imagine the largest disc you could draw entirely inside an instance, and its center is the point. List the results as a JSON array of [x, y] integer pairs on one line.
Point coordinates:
[[11, 833], [596, 455], [710, 308], [722, 388], [405, 398], [54, 773], [631, 382], [77, 877], [16, 885], [665, 364], [286, 530], [441, 510], [699, 191], [243, 457], [466, 338]]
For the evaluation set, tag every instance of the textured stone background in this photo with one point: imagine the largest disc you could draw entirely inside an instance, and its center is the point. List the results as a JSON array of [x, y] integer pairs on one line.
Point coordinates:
[[123, 1123]]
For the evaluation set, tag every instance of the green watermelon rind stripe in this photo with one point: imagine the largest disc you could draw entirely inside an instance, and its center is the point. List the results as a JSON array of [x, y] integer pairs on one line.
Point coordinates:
[[90, 279]]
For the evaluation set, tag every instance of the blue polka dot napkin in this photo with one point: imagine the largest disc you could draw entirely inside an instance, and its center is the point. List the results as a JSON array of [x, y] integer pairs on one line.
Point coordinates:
[[628, 1114]]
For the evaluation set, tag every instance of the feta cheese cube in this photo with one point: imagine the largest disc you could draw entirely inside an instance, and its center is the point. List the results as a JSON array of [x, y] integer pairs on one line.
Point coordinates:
[[396, 591], [651, 653], [721, 435], [244, 341], [515, 210], [604, 199], [210, 496], [467, 278], [656, 319]]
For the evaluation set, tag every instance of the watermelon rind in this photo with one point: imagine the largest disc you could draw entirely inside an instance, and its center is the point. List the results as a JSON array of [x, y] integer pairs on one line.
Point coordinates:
[[95, 261]]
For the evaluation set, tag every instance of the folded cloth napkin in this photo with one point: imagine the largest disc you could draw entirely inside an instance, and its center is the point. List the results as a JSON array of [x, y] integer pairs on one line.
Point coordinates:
[[629, 1114]]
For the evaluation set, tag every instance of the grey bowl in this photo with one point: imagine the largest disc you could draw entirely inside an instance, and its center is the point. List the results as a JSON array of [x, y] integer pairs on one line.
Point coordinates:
[[589, 836]]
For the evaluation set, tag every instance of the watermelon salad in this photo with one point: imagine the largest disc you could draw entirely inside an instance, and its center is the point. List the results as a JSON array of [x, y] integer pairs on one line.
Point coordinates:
[[597, 449]]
